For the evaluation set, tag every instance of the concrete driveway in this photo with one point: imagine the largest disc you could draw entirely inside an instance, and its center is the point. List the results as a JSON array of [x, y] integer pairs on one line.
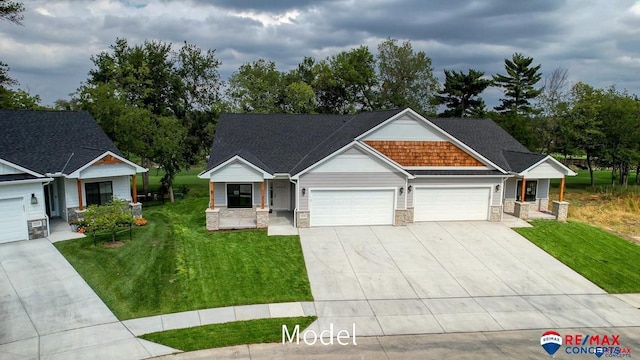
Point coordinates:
[[448, 277], [48, 311]]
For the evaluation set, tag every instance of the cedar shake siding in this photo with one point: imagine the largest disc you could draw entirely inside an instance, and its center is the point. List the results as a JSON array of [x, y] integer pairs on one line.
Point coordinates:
[[424, 153]]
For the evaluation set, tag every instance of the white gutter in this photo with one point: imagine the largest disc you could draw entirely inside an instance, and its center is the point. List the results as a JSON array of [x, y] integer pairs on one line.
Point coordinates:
[[27, 181]]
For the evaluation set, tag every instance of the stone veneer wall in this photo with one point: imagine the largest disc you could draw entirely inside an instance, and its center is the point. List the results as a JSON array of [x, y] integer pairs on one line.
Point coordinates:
[[561, 210], [302, 219], [212, 219], [509, 206], [539, 204], [495, 213], [38, 229], [262, 218]]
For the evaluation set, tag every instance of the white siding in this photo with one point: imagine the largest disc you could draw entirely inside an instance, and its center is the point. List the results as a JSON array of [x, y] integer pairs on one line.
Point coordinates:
[[6, 170], [236, 171], [547, 169], [346, 180], [220, 194], [107, 170], [406, 128], [543, 189], [120, 186], [353, 160], [256, 194], [24, 191], [511, 186], [496, 196]]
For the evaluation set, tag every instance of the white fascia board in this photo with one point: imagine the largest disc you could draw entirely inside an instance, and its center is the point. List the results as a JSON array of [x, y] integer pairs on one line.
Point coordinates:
[[138, 168], [567, 171], [207, 174], [360, 145], [459, 143], [18, 167], [27, 181]]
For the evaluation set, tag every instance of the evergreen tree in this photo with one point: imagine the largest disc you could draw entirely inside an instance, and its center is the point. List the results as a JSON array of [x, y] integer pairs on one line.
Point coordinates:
[[461, 93]]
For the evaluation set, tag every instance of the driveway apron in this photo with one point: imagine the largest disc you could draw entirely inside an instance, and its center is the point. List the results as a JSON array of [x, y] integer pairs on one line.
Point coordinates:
[[48, 311], [442, 277]]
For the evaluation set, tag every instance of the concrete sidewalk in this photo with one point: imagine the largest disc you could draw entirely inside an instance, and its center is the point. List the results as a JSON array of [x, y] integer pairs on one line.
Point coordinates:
[[49, 311], [193, 318], [479, 345]]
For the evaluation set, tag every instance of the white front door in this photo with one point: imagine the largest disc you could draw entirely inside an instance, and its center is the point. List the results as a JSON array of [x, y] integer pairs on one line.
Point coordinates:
[[281, 195], [451, 203], [13, 220], [351, 207]]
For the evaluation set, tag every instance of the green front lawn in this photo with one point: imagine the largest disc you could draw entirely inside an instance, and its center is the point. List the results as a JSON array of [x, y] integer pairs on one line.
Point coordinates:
[[173, 264], [228, 334], [607, 260]]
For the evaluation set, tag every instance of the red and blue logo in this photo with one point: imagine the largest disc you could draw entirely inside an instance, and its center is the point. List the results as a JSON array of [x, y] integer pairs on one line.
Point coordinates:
[[551, 342]]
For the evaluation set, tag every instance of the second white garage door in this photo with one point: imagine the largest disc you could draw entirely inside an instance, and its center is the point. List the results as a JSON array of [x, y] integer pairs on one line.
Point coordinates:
[[451, 203], [351, 207], [13, 224]]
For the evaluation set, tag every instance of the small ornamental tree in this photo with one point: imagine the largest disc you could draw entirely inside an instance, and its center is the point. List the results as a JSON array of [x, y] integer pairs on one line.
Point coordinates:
[[109, 217]]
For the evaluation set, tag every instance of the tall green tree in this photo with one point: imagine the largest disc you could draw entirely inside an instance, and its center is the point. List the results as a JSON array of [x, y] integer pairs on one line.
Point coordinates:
[[256, 87], [518, 85], [12, 11], [406, 77], [583, 125], [155, 102], [461, 93]]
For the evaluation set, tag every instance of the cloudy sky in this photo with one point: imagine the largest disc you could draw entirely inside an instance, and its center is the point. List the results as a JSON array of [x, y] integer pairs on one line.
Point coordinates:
[[597, 40]]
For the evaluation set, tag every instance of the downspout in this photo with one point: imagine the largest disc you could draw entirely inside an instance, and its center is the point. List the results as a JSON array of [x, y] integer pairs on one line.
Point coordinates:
[[295, 209], [504, 180]]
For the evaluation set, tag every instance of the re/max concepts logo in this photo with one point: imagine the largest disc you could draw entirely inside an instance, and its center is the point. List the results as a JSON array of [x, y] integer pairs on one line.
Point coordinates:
[[607, 345]]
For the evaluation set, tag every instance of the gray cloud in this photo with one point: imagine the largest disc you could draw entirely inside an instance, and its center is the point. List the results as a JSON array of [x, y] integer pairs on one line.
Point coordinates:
[[596, 41]]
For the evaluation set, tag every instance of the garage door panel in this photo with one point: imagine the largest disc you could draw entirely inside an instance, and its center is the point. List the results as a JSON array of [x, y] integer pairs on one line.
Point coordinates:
[[451, 203], [351, 207], [13, 224]]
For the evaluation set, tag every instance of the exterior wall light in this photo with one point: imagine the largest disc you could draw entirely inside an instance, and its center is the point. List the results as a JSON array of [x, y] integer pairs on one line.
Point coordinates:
[[410, 188], [304, 191], [34, 199], [497, 187], [401, 190]]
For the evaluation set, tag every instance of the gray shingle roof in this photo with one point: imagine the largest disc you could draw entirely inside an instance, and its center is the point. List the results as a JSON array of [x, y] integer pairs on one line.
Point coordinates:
[[287, 142], [290, 143], [51, 141], [491, 141]]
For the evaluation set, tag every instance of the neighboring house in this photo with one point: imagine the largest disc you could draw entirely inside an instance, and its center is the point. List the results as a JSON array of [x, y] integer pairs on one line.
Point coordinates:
[[376, 168], [54, 164]]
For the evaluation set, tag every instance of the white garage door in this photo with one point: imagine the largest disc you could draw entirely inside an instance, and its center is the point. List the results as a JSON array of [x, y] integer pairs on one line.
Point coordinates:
[[451, 203], [13, 224], [351, 207]]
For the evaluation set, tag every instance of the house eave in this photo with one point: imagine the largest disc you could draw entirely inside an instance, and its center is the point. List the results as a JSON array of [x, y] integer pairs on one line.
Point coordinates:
[[28, 181], [76, 174]]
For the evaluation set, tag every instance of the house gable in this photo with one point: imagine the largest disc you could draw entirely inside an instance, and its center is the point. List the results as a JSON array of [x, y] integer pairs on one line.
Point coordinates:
[[404, 128], [548, 168], [106, 165], [9, 168], [425, 153], [236, 169], [353, 160]]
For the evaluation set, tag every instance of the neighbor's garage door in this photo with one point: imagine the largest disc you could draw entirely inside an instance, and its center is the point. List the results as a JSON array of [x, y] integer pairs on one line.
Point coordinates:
[[13, 224], [451, 203], [351, 207]]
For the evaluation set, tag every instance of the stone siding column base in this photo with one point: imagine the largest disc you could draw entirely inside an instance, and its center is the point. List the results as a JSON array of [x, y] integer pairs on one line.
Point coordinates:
[[136, 210], [560, 210], [302, 219], [213, 219], [495, 213], [521, 210], [262, 218]]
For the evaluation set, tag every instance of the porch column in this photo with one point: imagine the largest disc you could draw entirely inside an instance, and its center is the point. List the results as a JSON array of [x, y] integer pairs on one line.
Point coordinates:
[[211, 194], [81, 206], [134, 189], [522, 191], [262, 195], [562, 189]]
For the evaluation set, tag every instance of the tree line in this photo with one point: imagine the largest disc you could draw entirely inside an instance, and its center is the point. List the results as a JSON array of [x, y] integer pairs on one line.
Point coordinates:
[[160, 104]]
